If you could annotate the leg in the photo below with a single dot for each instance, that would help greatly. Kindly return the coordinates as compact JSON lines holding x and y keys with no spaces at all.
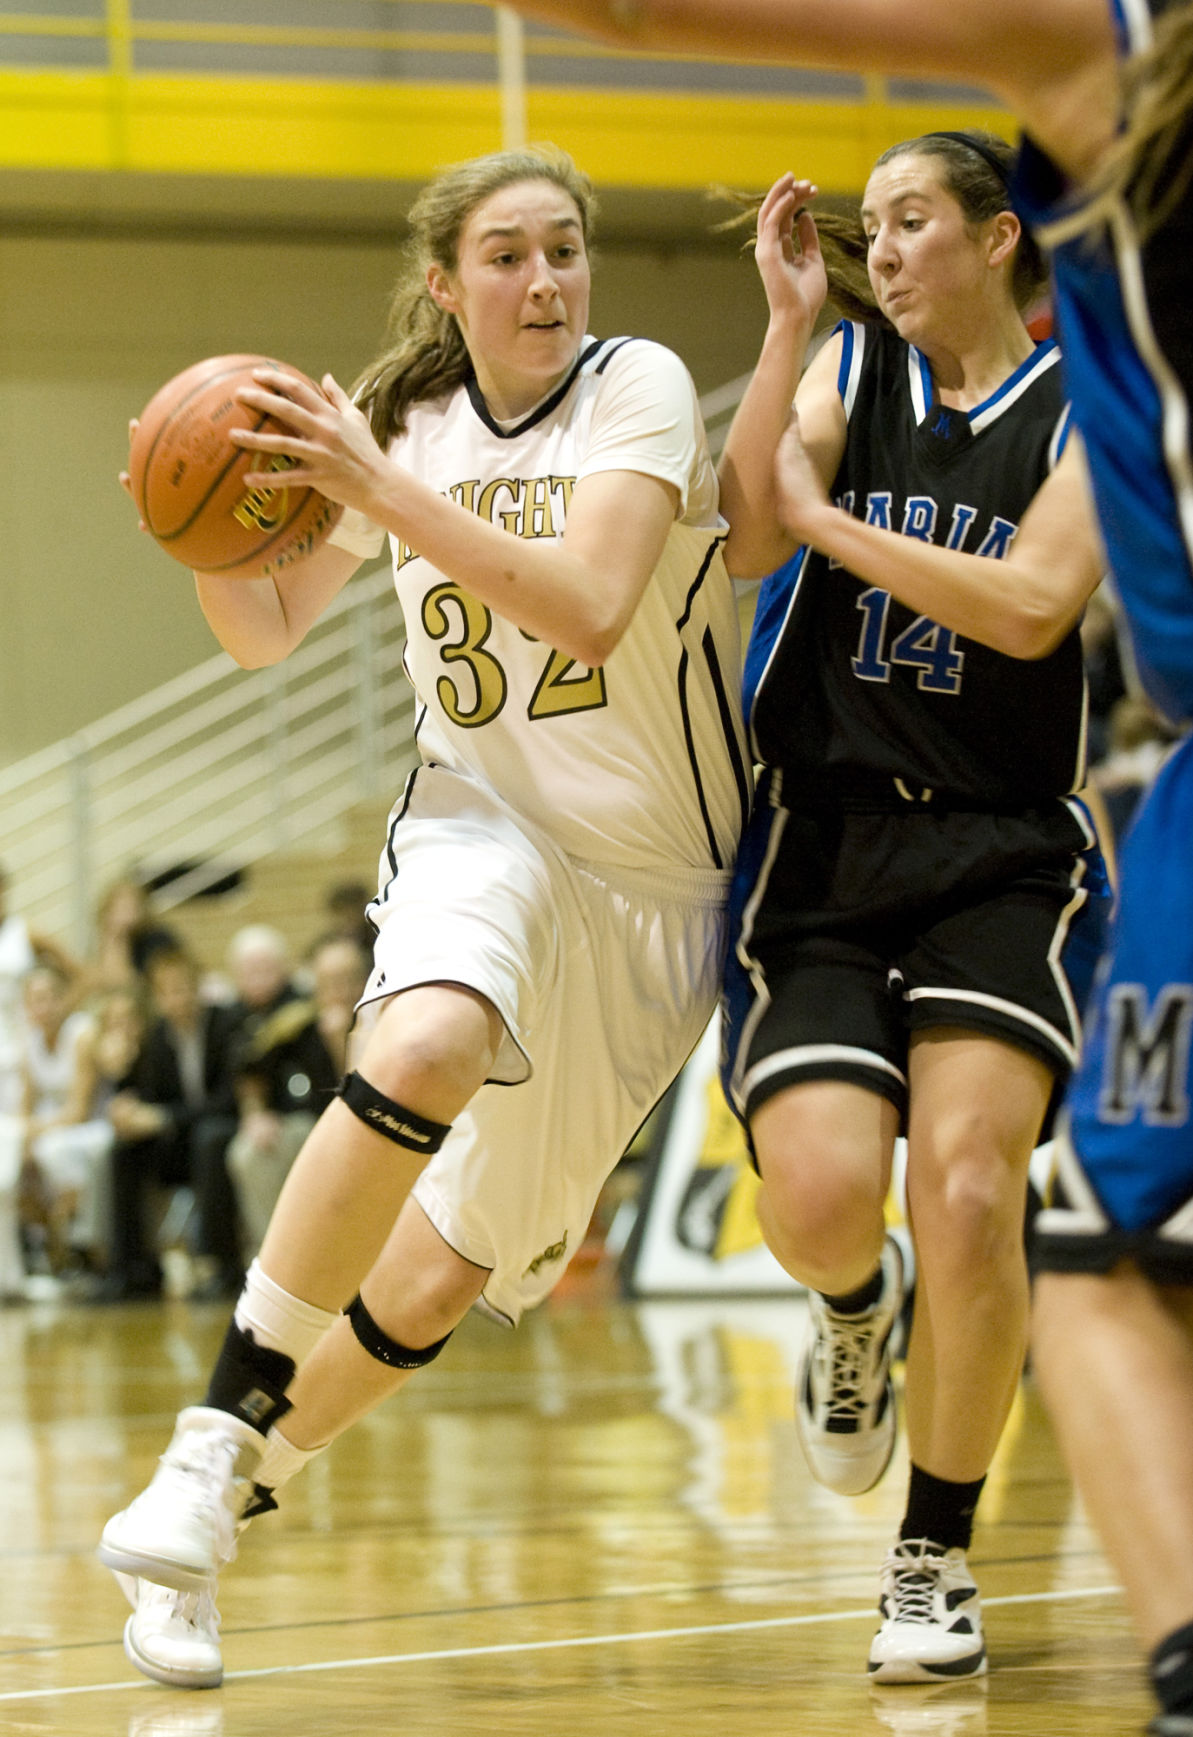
{"x":418,"y":1292}
{"x":1114,"y":1359}
{"x":219,"y":1220}
{"x":824,"y":1155}
{"x":430,"y":1050}
{"x":976,"y":1108}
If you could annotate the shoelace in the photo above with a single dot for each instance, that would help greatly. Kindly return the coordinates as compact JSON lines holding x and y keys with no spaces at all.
{"x":842,"y":1362}
{"x":196,"y":1609}
{"x":916,"y":1571}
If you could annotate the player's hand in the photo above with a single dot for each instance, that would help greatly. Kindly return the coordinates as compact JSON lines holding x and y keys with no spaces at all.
{"x":788,"y":250}
{"x":801,"y":497}
{"x":324,"y":433}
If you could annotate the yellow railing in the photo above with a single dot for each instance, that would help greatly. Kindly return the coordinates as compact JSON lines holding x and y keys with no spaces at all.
{"x":632,"y":122}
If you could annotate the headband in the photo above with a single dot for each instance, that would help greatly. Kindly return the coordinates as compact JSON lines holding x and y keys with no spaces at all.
{"x":1001,"y":169}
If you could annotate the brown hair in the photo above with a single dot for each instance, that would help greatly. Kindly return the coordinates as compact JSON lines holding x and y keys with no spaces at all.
{"x":1151,"y":165}
{"x":424,"y":355}
{"x":978,"y":186}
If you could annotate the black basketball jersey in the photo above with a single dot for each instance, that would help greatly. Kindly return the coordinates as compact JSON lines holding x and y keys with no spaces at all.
{"x":841,"y":678}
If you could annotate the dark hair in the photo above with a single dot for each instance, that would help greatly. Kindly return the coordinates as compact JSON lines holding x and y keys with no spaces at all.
{"x":970,"y":170}
{"x":975,"y":168}
{"x":425,"y":356}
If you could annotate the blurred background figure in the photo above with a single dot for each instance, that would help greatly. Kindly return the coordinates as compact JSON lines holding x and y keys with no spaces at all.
{"x":173,"y":1121}
{"x":20,"y":950}
{"x":286,"y":1077}
{"x":344,"y":908}
{"x":260,"y":970}
{"x":127,"y":935}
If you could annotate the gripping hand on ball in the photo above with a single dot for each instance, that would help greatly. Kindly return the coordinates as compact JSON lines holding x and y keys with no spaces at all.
{"x":327,"y":439}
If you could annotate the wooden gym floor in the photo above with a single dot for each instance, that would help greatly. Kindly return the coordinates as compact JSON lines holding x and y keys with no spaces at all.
{"x":598,"y":1524}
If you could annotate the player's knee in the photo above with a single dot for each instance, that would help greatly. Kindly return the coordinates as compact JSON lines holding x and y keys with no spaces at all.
{"x":433,"y":1046}
{"x":968,"y":1219}
{"x":819,"y":1217}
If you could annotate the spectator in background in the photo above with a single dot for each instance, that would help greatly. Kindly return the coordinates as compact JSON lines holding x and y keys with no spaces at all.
{"x":57,"y":1176}
{"x":287,"y":1076}
{"x":344,"y":906}
{"x":126,"y":938}
{"x":262,"y":975}
{"x":21,"y":948}
{"x":173,"y":1121}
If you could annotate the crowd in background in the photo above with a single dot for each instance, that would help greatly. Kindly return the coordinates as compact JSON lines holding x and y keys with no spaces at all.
{"x":152,"y":1102}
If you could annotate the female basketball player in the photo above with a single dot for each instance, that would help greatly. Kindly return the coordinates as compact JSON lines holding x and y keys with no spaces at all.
{"x":916,"y":861}
{"x":1114,"y":1302}
{"x":550,"y":912}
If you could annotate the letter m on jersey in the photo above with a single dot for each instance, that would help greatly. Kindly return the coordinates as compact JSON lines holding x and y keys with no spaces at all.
{"x":1147,"y":1055}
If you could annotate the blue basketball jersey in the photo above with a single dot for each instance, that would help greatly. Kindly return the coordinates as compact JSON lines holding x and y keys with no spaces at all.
{"x":1122,"y":307}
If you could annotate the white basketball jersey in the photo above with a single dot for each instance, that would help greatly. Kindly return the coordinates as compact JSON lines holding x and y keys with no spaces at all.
{"x":639,"y":764}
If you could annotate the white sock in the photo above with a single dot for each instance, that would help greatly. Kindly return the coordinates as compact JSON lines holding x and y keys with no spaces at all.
{"x":280,"y":1460}
{"x":277,"y":1320}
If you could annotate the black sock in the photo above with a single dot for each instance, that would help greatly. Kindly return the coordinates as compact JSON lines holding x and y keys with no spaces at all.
{"x":1170,"y":1670}
{"x":940,"y":1510}
{"x":250,"y":1380}
{"x":857,"y":1302}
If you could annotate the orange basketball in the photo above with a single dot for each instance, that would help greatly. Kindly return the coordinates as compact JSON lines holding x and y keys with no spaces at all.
{"x":187,"y":477}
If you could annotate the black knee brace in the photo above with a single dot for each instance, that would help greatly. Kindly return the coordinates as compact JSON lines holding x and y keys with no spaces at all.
{"x":404,"y":1127}
{"x":378,"y":1343}
{"x":250,"y":1380}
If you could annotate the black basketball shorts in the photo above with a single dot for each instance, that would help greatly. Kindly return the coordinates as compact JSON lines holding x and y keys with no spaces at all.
{"x":850,"y":931}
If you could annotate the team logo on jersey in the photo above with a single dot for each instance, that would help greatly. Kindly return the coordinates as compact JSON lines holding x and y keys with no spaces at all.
{"x":525,"y":506}
{"x":1147,"y":1055}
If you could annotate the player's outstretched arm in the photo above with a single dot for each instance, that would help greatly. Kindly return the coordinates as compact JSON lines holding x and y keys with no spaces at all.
{"x":1053,"y":64}
{"x":1023,"y":605}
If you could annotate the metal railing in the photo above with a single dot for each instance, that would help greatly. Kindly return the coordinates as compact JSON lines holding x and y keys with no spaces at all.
{"x":220,"y":767}
{"x":215,"y":769}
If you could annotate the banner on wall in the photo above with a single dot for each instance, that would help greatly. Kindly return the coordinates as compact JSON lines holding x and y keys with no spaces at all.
{"x":696,"y":1232}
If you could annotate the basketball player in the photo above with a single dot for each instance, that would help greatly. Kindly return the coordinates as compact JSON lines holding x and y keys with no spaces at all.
{"x":550,"y":913}
{"x":916,"y":863}
{"x":1114,"y":202}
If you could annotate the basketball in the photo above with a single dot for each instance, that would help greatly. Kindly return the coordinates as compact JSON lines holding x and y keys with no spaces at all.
{"x":187,"y":477}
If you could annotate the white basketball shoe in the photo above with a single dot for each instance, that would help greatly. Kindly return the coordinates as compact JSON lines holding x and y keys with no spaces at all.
{"x":181,"y":1530}
{"x":845,"y":1410}
{"x":172,"y":1636}
{"x":931,"y":1629}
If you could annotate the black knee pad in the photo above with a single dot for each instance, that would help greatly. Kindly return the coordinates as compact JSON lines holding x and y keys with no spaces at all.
{"x":404,"y":1127}
{"x":378,"y":1343}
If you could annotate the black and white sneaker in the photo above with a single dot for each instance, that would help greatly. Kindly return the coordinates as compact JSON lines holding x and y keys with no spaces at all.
{"x":931,"y":1628}
{"x":844,"y":1399}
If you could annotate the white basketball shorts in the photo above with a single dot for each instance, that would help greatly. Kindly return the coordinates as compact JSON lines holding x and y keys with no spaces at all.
{"x":604,"y":978}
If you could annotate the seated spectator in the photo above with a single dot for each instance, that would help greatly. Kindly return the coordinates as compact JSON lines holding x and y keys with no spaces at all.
{"x":261,"y":973}
{"x":21,"y":948}
{"x":59,"y":1174}
{"x":288,"y":1072}
{"x":126,"y":938}
{"x":173,"y":1121}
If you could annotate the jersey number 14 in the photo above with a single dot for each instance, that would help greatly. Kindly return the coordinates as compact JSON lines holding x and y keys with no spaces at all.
{"x":925,"y":646}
